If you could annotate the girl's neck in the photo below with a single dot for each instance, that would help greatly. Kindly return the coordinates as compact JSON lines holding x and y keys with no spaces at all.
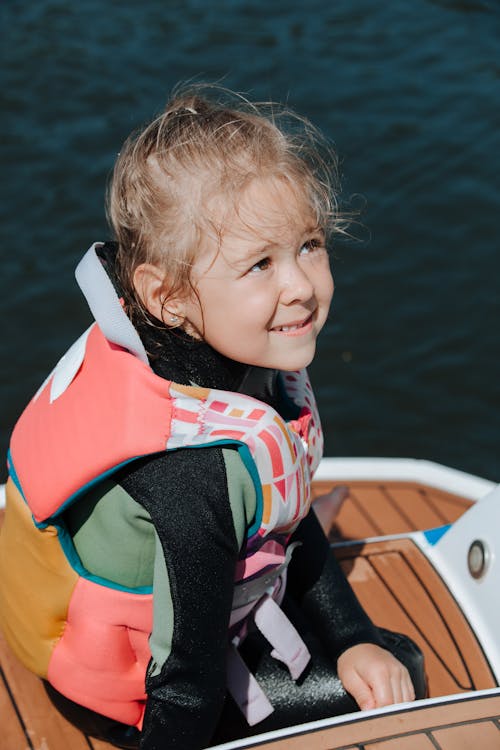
{"x":175,"y":355}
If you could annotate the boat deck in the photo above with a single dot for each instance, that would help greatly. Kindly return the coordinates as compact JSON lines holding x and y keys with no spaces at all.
{"x":380,"y":508}
{"x":399,"y":589}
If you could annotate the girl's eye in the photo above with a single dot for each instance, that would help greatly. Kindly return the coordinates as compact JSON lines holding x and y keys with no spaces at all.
{"x":310,"y":246}
{"x":262,"y":265}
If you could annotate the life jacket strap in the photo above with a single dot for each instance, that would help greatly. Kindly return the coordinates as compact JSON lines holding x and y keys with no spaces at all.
{"x":245,"y":690}
{"x":277,"y":629}
{"x":260,"y":601}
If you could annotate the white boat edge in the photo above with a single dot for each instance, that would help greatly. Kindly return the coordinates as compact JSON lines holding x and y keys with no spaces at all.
{"x":433,"y":474}
{"x":298,"y":729}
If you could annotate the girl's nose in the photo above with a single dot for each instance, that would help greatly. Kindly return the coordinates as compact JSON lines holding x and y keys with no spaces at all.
{"x":296,"y":285}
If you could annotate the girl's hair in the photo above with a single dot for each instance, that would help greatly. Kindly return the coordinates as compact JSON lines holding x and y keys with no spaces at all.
{"x":208,"y":142}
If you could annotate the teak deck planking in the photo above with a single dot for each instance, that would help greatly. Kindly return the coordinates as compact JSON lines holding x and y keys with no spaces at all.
{"x":399,"y":589}
{"x":380,"y":508}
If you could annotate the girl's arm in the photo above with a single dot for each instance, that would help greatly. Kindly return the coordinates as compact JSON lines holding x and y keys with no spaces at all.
{"x":317,"y":583}
{"x":368,"y":671}
{"x":185,"y":492}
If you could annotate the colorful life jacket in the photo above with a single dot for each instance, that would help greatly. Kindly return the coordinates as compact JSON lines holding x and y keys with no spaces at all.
{"x":101,"y":408}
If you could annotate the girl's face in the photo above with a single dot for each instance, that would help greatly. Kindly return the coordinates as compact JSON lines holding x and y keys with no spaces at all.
{"x":263,"y":285}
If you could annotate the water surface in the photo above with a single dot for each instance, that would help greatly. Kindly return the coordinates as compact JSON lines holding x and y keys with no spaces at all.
{"x":409,"y":363}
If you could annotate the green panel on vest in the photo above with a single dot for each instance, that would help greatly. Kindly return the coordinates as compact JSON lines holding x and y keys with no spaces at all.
{"x":113,"y":535}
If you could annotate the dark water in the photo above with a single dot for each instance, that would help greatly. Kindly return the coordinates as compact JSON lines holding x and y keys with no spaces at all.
{"x":409,"y":91}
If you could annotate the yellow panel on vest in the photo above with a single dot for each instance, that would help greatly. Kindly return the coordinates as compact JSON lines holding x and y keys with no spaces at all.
{"x":36,"y":583}
{"x":267,"y":503}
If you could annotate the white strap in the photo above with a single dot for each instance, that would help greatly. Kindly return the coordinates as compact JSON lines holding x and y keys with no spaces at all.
{"x":287,"y":644}
{"x":245,"y":690}
{"x":105,"y":305}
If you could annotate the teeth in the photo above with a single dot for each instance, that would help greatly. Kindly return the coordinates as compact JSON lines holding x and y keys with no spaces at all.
{"x":286,"y":329}
{"x":294,"y":327}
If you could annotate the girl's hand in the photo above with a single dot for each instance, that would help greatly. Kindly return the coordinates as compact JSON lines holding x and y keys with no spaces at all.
{"x":374,"y":677}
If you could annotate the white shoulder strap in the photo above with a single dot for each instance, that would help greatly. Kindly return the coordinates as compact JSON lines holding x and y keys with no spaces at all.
{"x":105,"y":305}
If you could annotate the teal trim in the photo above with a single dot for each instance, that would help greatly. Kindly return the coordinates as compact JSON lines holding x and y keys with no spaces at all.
{"x":86,"y":487}
{"x":67,"y":543}
{"x":251,"y":467}
{"x":40,"y":524}
{"x":13,"y":473}
{"x":70,"y":500}
{"x":434,"y":535}
{"x":72,"y":557}
{"x":65,"y":538}
{"x":17,"y":484}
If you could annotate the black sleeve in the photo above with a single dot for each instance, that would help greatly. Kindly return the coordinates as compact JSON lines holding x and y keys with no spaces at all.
{"x":186,"y":495}
{"x":318,"y":584}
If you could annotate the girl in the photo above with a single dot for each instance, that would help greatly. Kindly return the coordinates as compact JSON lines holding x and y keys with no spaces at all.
{"x":174,"y":579}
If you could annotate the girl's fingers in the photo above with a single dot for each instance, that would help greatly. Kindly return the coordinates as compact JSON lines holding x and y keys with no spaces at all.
{"x":393,"y":687}
{"x":397,"y":685}
{"x":408,"y":689}
{"x":374,"y":677}
{"x":401,"y":687}
{"x":360,"y":691}
{"x":383,"y":689}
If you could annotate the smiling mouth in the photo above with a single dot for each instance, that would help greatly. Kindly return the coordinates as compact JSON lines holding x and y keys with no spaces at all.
{"x":291,"y":328}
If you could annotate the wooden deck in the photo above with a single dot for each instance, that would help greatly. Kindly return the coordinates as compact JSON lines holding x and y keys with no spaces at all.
{"x":399,"y":589}
{"x":377,"y":508}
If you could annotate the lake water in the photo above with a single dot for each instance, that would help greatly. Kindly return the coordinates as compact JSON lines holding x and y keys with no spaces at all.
{"x":409,"y":364}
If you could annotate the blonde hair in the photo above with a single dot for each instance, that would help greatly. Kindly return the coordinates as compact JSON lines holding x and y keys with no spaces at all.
{"x":207,"y":142}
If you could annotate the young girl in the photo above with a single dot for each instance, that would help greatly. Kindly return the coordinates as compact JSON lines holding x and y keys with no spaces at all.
{"x":161,"y":568}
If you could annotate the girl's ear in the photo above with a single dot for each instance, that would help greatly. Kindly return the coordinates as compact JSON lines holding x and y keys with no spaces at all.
{"x":149,"y":283}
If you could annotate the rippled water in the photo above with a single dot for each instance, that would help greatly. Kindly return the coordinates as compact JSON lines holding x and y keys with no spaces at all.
{"x":409,"y":364}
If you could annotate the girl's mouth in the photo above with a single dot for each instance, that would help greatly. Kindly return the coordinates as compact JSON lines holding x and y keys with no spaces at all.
{"x":296,"y":328}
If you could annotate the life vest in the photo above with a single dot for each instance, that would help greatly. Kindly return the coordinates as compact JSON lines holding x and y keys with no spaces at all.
{"x":100,"y":408}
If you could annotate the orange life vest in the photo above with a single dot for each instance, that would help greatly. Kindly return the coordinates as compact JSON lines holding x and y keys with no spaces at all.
{"x":101,"y":408}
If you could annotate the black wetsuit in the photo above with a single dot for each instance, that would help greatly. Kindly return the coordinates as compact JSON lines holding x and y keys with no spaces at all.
{"x":185,"y":493}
